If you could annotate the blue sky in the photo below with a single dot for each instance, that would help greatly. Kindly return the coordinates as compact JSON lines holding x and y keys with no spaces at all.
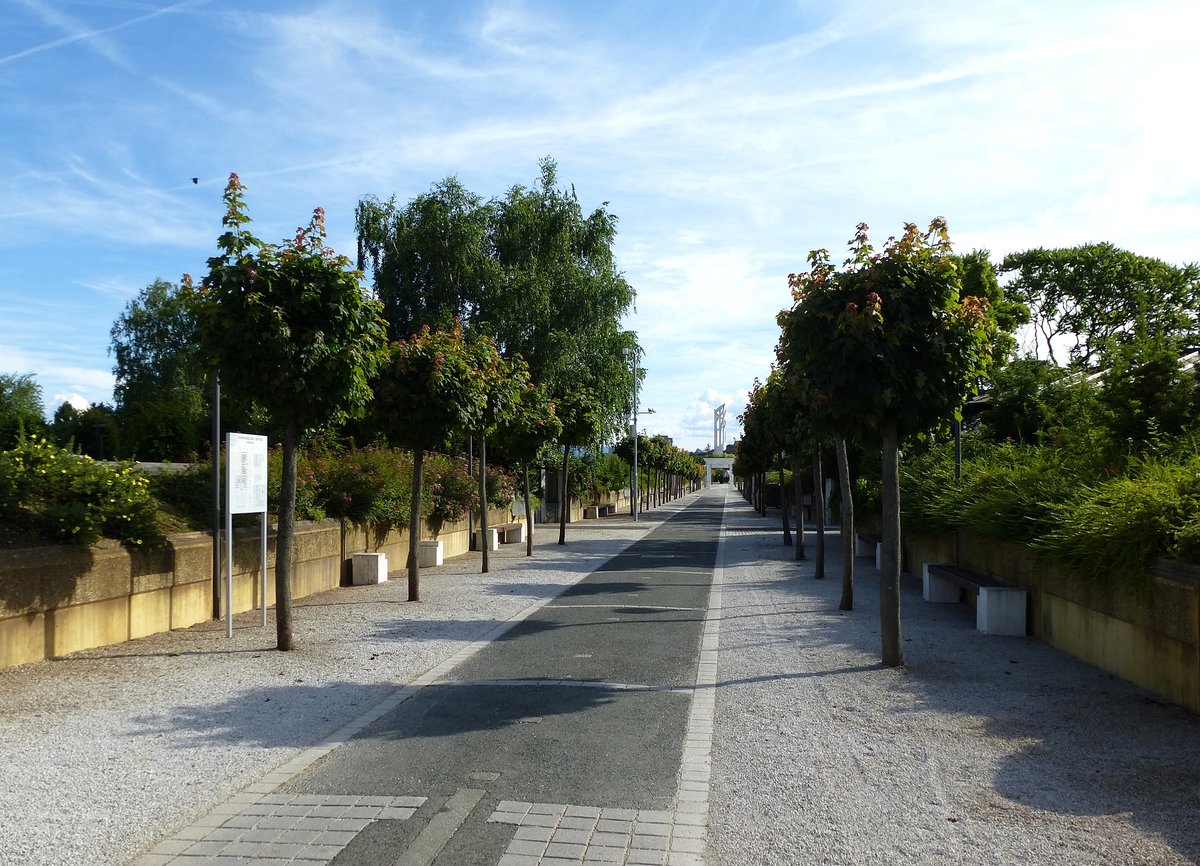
{"x":730,"y":138}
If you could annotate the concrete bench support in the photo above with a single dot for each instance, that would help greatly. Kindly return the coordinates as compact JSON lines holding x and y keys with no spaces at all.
{"x":369,"y":568}
{"x":869,"y":545}
{"x":591,"y":512}
{"x":492,"y":541}
{"x":1001,"y":610}
{"x":430,"y":554}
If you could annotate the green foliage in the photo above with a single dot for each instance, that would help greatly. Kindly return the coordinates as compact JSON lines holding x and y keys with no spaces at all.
{"x":605,"y":473}
{"x":891,"y":338}
{"x":1096,"y":296}
{"x":451,"y":491}
{"x":95,"y":431}
{"x":292,"y":320}
{"x":1063,"y":503}
{"x":21,"y":410}
{"x":429,"y":259}
{"x":430,"y":390}
{"x":1146,"y":395}
{"x":1117,"y":527}
{"x":369,"y":486}
{"x":63,"y":498}
{"x":160,"y":394}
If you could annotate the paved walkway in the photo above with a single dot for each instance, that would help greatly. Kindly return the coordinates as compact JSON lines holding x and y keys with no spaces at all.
{"x":578,"y":732}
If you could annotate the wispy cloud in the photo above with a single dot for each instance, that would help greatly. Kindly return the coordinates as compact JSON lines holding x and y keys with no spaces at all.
{"x":79,"y":31}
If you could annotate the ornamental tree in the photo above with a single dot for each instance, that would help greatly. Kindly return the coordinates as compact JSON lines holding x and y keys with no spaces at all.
{"x":884,"y":348}
{"x":430,"y":391}
{"x":293,"y":331}
{"x":530,"y":425}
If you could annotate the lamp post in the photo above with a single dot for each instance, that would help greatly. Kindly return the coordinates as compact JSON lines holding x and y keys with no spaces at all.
{"x":636,"y":491}
{"x":632,"y":355}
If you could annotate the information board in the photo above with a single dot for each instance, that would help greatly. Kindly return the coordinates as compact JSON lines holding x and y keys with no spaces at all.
{"x":247,"y":478}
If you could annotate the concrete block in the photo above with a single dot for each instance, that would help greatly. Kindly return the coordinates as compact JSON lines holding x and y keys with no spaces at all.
{"x":1001,"y":610}
{"x":369,"y":568}
{"x":591,"y":512}
{"x":936,"y":589}
{"x":493,"y":539}
{"x":430,"y":554}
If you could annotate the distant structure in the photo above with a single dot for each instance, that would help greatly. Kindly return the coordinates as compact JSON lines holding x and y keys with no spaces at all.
{"x":719,"y":429}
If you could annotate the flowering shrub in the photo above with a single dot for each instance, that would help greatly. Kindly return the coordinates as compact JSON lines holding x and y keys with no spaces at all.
{"x":449,"y":489}
{"x":62,"y":497}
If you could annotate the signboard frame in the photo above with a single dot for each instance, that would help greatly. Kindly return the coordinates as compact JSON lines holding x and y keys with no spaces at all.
{"x":245,"y":493}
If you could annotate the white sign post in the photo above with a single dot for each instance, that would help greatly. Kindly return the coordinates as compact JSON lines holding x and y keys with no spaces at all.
{"x":245,"y":493}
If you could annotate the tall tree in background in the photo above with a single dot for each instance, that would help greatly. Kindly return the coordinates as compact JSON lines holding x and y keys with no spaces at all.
{"x":21,"y":409}
{"x":428,"y":260}
{"x":161,"y":400}
{"x":887,"y":347}
{"x":557,"y":297}
{"x":293,"y":330}
{"x":1089,"y":298}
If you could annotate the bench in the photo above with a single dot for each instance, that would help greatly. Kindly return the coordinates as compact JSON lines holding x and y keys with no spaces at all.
{"x":999,"y":607}
{"x":608,"y":510}
{"x":869,"y":545}
{"x":591,"y":512}
{"x":511,"y":533}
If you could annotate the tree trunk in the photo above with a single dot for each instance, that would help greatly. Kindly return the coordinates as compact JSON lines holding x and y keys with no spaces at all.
{"x":798,"y":485}
{"x":819,"y":512}
{"x":414,"y":528}
{"x":528,"y":511}
{"x":783,"y":504}
{"x":847,"y":499}
{"x":285,"y":544}
{"x":889,"y":574}
{"x":483,"y":503}
{"x":563,"y":505}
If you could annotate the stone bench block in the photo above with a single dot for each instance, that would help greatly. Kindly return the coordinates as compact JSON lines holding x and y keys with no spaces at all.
{"x":369,"y":568}
{"x":1001,"y":610}
{"x":492,"y":541}
{"x":430,"y":554}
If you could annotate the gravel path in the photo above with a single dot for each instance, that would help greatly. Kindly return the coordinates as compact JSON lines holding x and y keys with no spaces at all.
{"x":983,"y":750}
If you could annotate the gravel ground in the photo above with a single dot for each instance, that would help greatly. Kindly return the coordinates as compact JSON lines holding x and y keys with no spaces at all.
{"x":107,"y":751}
{"x":982,"y":750}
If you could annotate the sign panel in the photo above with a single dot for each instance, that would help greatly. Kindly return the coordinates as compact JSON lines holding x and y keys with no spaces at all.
{"x":247,"y":474}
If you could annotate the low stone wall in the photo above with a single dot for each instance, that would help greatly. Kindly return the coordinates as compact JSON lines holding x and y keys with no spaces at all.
{"x":58,"y":600}
{"x":1148,"y":635}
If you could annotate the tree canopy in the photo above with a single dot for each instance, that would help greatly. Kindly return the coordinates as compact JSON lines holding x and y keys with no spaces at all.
{"x":1084,"y":300}
{"x":294,"y":332}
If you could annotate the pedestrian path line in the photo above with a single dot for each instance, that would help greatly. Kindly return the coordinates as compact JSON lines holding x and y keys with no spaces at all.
{"x":611,"y":605}
{"x":581,"y":684}
{"x":690,"y":818}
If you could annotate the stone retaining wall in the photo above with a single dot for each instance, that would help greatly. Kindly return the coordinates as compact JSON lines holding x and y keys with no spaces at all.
{"x":58,"y":600}
{"x":1149,"y":635}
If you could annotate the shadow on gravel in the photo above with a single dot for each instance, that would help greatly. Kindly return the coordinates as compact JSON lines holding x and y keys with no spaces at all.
{"x":295,"y":715}
{"x":1084,"y":742}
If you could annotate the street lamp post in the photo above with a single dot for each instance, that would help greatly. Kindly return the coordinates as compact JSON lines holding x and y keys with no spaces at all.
{"x":632,"y":355}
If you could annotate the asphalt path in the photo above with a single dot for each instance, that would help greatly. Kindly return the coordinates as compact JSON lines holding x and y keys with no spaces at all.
{"x":584,"y":703}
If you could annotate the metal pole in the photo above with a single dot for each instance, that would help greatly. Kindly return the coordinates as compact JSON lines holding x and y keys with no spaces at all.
{"x":958,"y":451}
{"x":215,"y":454}
{"x":635,"y":436}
